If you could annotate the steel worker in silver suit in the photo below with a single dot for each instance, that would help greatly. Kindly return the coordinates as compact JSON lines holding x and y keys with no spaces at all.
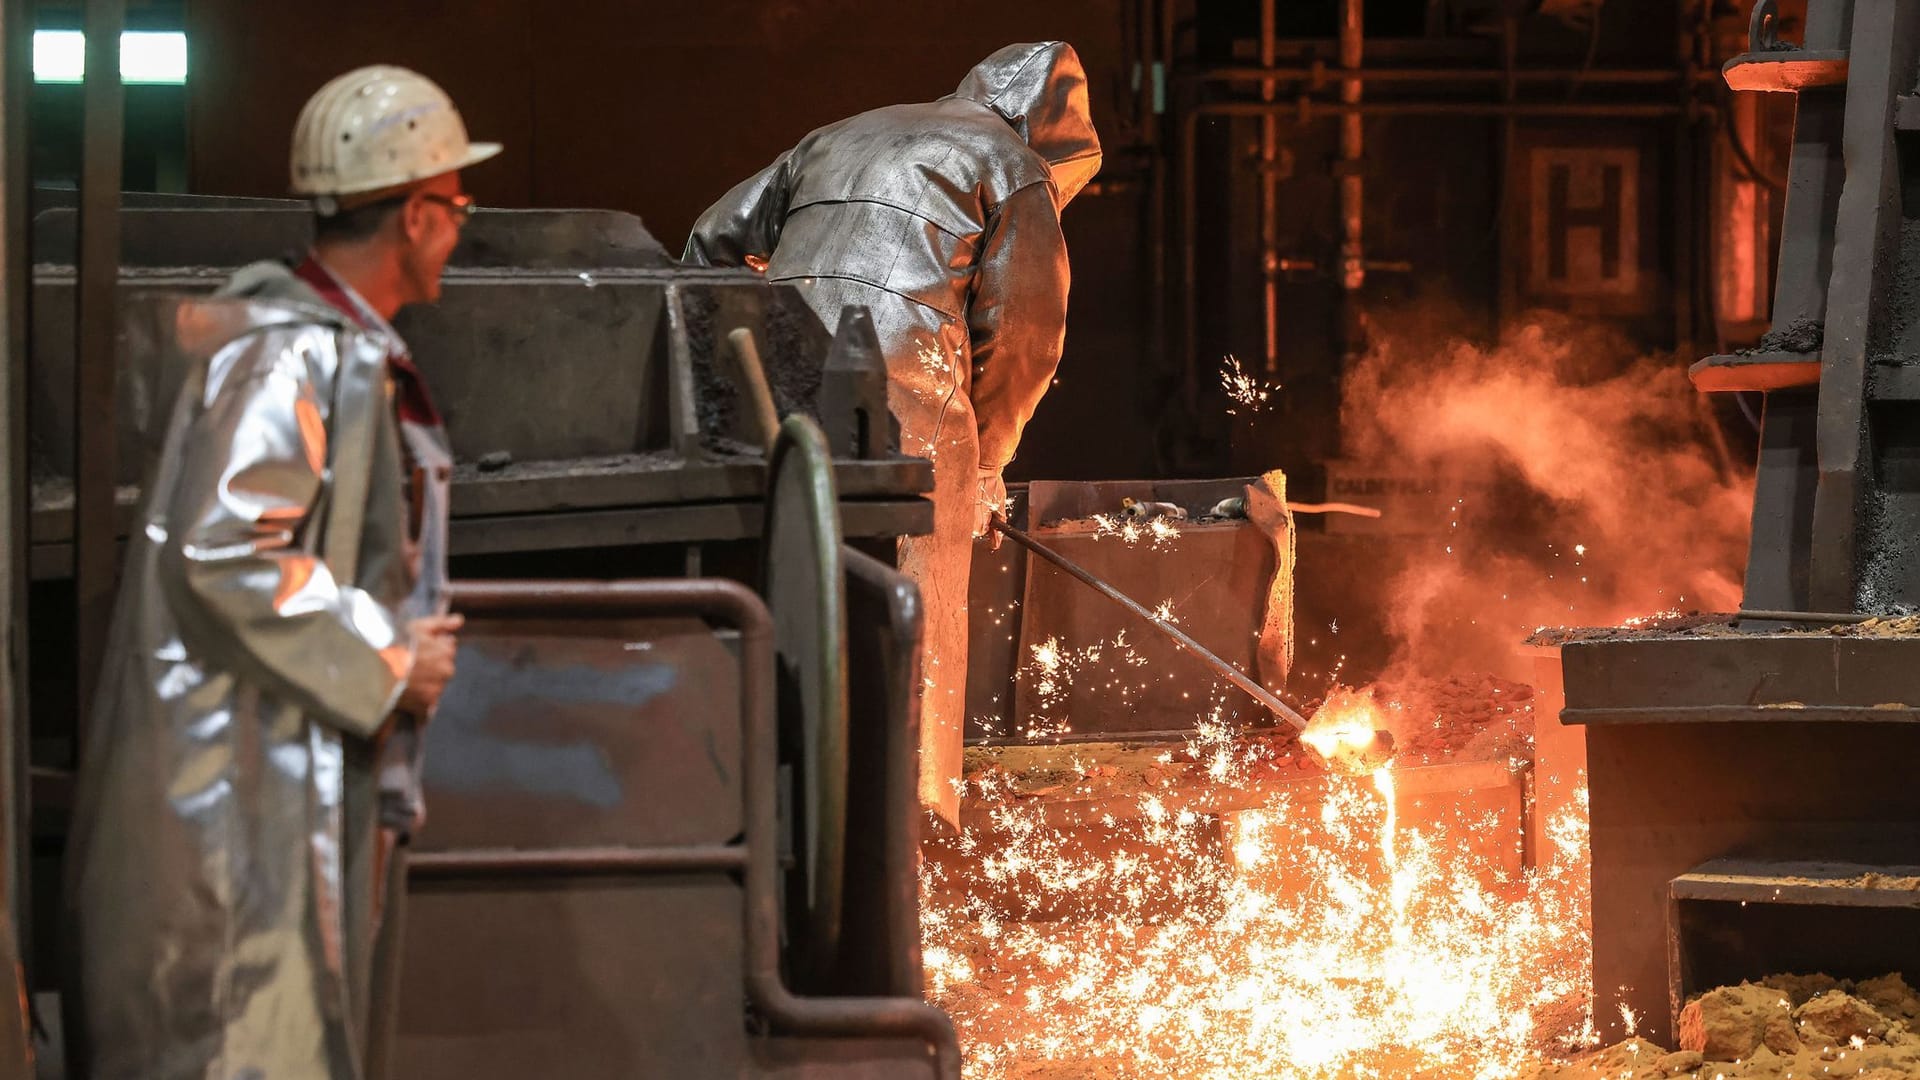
{"x":943,"y":219}
{"x":282,"y":632}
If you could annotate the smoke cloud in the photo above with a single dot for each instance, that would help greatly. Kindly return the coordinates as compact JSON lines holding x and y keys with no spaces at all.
{"x":1581,"y":485}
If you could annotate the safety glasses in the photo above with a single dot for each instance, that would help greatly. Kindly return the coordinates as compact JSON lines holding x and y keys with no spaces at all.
{"x":462,"y":206}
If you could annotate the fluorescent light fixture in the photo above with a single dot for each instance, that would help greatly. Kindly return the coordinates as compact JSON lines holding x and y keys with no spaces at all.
{"x":146,"y":57}
{"x":59,"y":56}
{"x":154,"y":57}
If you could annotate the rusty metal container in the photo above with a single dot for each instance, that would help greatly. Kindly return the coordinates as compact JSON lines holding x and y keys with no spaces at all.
{"x":1719,"y":768}
{"x":1227,"y":582}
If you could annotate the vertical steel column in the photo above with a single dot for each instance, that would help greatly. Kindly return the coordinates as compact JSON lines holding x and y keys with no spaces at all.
{"x":1156,"y":31}
{"x":16,"y":1043}
{"x":96,"y":456}
{"x":1189,"y":258}
{"x":1867,"y":227}
{"x":1269,"y":198}
{"x":1687,"y":197}
{"x":1353,"y":265}
{"x":1506,"y":213}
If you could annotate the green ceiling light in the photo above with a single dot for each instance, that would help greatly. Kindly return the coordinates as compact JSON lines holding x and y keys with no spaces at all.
{"x":147,"y":58}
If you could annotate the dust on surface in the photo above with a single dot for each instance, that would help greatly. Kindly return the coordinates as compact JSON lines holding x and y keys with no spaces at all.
{"x":1781,"y":1027}
{"x":1695,"y":624}
{"x":1802,"y":335}
{"x":1664,"y":625}
{"x":1879,"y":626}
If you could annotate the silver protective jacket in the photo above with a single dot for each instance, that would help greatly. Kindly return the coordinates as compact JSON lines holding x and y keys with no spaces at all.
{"x":224,"y":838}
{"x":943,"y":219}
{"x":952,"y":206}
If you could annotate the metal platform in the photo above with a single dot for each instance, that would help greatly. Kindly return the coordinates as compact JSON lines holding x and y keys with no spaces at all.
{"x":1715,"y":765}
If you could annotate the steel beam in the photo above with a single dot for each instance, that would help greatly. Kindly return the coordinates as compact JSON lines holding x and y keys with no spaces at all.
{"x":95,"y":432}
{"x":16,"y":1046}
{"x":1886,"y":39}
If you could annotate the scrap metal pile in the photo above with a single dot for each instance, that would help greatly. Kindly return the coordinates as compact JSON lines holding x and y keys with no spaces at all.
{"x":1778,"y":1028}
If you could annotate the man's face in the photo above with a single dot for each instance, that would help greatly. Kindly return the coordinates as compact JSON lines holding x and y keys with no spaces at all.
{"x":430,"y":222}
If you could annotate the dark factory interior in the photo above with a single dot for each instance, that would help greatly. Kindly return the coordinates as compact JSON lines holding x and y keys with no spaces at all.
{"x":493,"y":584}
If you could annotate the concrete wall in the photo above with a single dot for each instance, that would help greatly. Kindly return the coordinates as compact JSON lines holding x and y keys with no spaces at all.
{"x":649,"y":107}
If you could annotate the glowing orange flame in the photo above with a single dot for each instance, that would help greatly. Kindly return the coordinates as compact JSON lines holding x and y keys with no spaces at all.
{"x":1343,"y":727}
{"x":1330,"y":934}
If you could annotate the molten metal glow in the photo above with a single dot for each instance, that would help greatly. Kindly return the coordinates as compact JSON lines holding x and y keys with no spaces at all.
{"x":1343,"y":727}
{"x":1313,"y":939}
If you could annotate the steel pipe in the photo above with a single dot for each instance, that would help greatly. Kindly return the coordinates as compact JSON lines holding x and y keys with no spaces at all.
{"x":95,"y":429}
{"x":96,"y":459}
{"x":1269,"y":201}
{"x":1319,"y":74}
{"x":1353,"y":269}
{"x":1307,"y":110}
{"x":505,"y":862}
{"x":16,"y":500}
{"x":16,"y":929}
{"x":769,"y":993}
{"x":1832,"y":618}
{"x":1189,"y":383}
{"x":1506,"y":209}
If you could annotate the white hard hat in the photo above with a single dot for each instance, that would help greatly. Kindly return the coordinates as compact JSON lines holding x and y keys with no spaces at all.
{"x":378,"y":128}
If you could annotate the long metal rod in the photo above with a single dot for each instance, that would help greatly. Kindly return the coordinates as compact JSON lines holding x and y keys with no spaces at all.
{"x":96,"y":463}
{"x":1836,"y":618}
{"x":95,"y":430}
{"x":1269,"y":201}
{"x":1077,"y":738}
{"x":1353,"y":266}
{"x":1507,"y":208}
{"x":1320,"y":73}
{"x":16,"y":1042}
{"x":1246,"y":683}
{"x":513,"y":862}
{"x":1686,"y":197}
{"x":1310,"y":109}
{"x":16,"y":503}
{"x":1158,"y":72}
{"x":1190,"y":258}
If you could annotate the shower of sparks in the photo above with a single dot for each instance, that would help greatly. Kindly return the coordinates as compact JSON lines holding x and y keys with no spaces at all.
{"x":1314,"y":938}
{"x":934,"y":359}
{"x":1052,"y":670}
{"x":1159,"y":532}
{"x":1243,"y":389}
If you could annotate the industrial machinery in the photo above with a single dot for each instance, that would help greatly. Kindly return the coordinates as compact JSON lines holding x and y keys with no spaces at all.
{"x":1753,"y":808}
{"x":673,"y":822}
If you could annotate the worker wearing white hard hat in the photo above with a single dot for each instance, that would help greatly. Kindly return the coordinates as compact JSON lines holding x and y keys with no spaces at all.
{"x":282,"y":631}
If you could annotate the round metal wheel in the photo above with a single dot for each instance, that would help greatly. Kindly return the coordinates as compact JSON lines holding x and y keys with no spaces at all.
{"x":806,"y":591}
